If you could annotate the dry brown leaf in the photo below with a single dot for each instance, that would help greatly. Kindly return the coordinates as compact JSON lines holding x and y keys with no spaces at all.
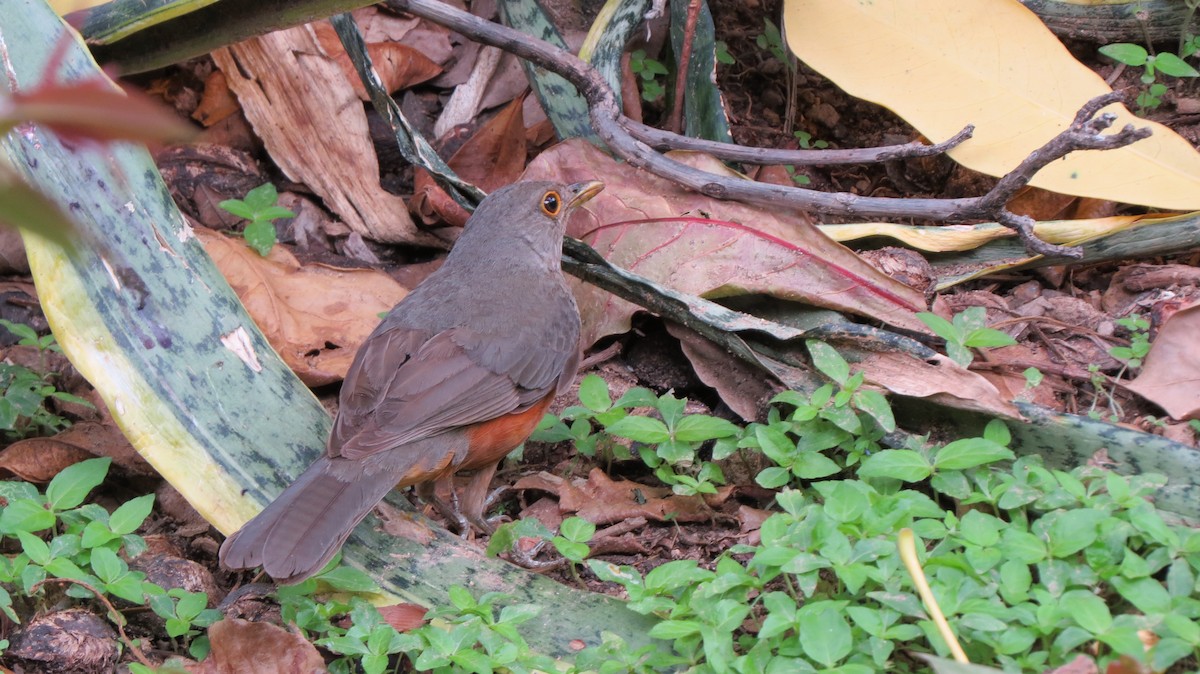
{"x":742,"y":386}
{"x":941,"y":381}
{"x":240,"y":646}
{"x":404,"y":617}
{"x":317,"y":135}
{"x":425,"y":36}
{"x":1170,"y":376}
{"x":399,"y":66}
{"x":1041,"y":204}
{"x":1082,"y":664}
{"x":40,"y":459}
{"x":490,"y":159}
{"x":401,"y":524}
{"x":377,"y":26}
{"x":601,"y":500}
{"x":217,"y":103}
{"x":751,"y":519}
{"x":711,"y":248}
{"x":314,"y":316}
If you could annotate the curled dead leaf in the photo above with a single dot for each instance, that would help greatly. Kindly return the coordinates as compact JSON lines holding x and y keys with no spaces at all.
{"x":1170,"y":376}
{"x":317,"y":135}
{"x":399,"y":66}
{"x":242,"y":646}
{"x":40,"y":459}
{"x":939,"y":380}
{"x":602,"y":500}
{"x":490,"y":159}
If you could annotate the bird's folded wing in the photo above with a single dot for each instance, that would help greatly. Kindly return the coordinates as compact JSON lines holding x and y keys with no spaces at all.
{"x":443,"y":385}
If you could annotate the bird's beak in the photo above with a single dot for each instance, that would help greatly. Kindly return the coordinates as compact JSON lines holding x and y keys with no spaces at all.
{"x":581,"y":192}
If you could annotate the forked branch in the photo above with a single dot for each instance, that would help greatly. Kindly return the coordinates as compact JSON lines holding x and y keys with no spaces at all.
{"x":615,"y":129}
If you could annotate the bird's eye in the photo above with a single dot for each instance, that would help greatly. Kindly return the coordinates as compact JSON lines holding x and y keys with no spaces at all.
{"x":551,"y":203}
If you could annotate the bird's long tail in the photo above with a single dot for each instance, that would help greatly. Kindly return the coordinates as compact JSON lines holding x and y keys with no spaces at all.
{"x":301,"y":530}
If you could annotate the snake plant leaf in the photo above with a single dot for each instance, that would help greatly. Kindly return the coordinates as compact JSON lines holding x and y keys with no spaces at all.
{"x":968,"y":252}
{"x":139,"y":35}
{"x":564,"y":105}
{"x":112,"y":21}
{"x":605,"y":41}
{"x":145,"y":316}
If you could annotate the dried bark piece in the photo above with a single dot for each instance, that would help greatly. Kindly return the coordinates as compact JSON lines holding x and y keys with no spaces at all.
{"x":312,"y":123}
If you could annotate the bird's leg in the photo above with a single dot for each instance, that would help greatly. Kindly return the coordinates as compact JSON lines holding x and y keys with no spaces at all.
{"x":427,"y":491}
{"x":476,"y":499}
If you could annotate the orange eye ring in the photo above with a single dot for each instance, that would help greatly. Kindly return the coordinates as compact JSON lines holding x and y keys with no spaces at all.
{"x":551,"y":203}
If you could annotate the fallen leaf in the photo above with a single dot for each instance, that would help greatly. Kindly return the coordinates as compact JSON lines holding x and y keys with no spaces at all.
{"x":40,"y":459}
{"x":402,"y":524}
{"x":947,"y":238}
{"x":742,"y":386}
{"x":940,"y":380}
{"x":943,"y":64}
{"x":711,"y":248}
{"x":1170,"y":376}
{"x":69,"y":640}
{"x":239,"y":646}
{"x":490,"y":159}
{"x":602,"y":500}
{"x":1042,"y":204}
{"x":377,"y":26}
{"x":315,"y":316}
{"x":399,"y":66}
{"x":218,"y":101}
{"x":404,"y":617}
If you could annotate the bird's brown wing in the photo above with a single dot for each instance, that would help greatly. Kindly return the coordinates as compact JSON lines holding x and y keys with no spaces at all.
{"x":448,"y":381}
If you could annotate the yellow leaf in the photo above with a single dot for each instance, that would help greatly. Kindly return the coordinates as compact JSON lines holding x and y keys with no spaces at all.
{"x":946,"y":238}
{"x":943,"y":64}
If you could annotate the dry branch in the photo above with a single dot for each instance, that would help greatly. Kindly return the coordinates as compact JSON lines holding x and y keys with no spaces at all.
{"x":610,"y":125}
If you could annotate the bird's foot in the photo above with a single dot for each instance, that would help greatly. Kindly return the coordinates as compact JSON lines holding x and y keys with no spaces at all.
{"x":527,"y":559}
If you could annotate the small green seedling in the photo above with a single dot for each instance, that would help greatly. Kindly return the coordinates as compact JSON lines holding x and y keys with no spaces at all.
{"x":1139,"y":342}
{"x":24,"y":392}
{"x":650,"y":71}
{"x":721,"y":52}
{"x":806,"y":141}
{"x":772,"y":41}
{"x":260,"y":209}
{"x":965,"y":331}
{"x":798,"y":178}
{"x":1165,"y":63}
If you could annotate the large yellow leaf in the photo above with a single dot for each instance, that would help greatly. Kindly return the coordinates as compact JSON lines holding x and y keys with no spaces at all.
{"x":943,"y":64}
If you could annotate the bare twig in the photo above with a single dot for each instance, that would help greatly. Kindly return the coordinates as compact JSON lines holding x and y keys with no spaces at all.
{"x":607,"y":121}
{"x":665,"y":140}
{"x":1083,"y":134}
{"x":683,"y":62}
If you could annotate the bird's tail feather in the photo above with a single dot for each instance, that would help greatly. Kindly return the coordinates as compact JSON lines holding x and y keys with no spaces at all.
{"x":301,"y":530}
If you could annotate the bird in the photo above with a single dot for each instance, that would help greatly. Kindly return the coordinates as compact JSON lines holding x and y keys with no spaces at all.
{"x":457,"y":375}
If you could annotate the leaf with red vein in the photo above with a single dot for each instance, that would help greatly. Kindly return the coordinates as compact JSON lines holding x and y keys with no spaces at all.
{"x":649,"y":226}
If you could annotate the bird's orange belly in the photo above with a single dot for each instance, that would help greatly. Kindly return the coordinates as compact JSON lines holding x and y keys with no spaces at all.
{"x":491,"y":440}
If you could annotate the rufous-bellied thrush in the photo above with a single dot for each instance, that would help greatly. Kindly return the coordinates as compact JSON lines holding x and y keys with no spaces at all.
{"x":456,"y":376}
